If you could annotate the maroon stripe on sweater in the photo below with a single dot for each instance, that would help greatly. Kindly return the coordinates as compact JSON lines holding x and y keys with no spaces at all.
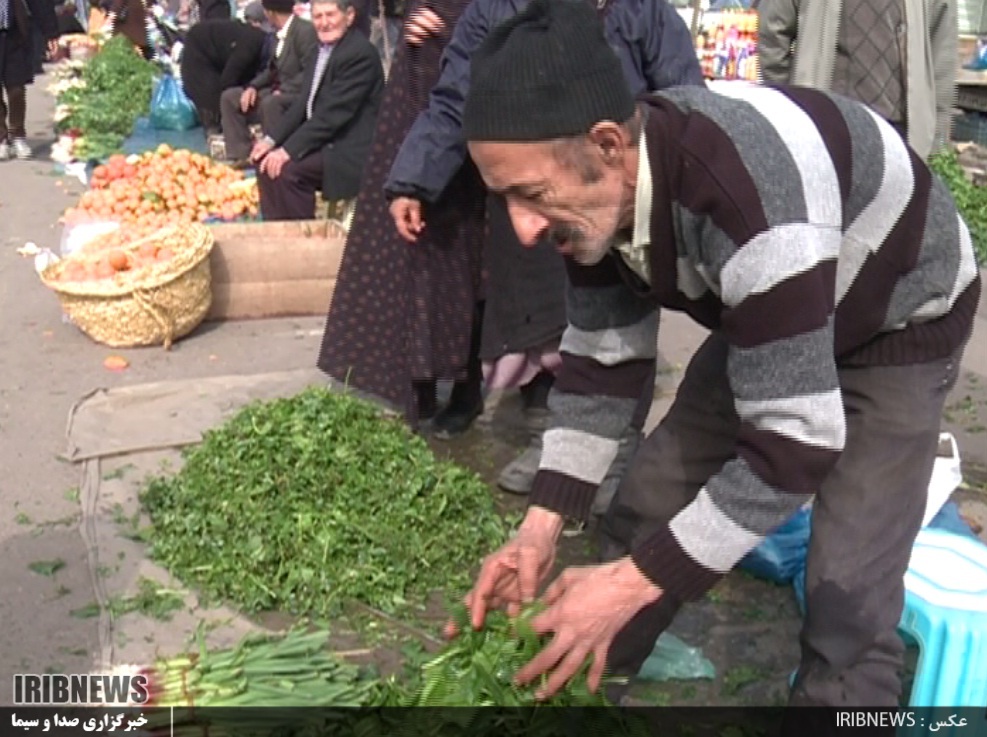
{"x":832,"y":127}
{"x":798,"y":305}
{"x":663,"y":561}
{"x":586,"y":377}
{"x":714,"y":182}
{"x":784,"y":463}
{"x":857,"y":319}
{"x":562,"y":494}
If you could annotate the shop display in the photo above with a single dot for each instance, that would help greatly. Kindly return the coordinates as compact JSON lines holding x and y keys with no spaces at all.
{"x":726,"y":45}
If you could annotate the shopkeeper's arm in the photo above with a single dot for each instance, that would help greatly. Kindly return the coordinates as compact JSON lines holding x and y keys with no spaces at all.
{"x":777,"y":29}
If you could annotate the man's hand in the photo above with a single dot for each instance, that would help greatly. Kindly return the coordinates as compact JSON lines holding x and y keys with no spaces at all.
{"x":52,"y":47}
{"x":407,"y":214}
{"x":261,"y":149}
{"x":274,"y":162}
{"x":588,"y":606}
{"x":510,"y":577}
{"x":421,"y":25}
{"x":248,"y":98}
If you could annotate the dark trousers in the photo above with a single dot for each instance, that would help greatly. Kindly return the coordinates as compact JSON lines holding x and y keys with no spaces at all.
{"x":236,"y":124}
{"x":13,"y":112}
{"x":292,"y":195}
{"x":864,"y":522}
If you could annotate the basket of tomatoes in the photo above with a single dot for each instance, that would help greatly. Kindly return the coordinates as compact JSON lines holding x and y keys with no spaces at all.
{"x":127,"y":291}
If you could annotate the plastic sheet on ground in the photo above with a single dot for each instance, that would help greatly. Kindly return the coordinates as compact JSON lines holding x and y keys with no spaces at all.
{"x":121,"y":436}
{"x":146,"y":138}
{"x":674,"y":660}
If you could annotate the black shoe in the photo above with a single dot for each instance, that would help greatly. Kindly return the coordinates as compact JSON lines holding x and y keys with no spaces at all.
{"x":455,"y":419}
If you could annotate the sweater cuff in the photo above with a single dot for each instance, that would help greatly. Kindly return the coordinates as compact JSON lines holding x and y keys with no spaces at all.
{"x":563,"y":495}
{"x":663,"y":562}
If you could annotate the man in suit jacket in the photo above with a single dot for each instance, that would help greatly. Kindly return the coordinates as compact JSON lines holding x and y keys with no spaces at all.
{"x":268,"y":95}
{"x":17,"y":18}
{"x":219,"y":54}
{"x":325,"y":137}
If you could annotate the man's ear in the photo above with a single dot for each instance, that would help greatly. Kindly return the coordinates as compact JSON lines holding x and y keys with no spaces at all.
{"x":610,"y":139}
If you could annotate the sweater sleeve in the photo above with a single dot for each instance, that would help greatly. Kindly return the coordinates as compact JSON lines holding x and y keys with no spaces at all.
{"x":777,"y":289}
{"x":608,"y":354}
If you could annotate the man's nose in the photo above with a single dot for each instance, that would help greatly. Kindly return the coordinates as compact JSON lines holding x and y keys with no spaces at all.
{"x":528,"y":224}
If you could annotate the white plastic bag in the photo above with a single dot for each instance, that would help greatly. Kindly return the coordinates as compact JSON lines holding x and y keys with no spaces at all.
{"x":946,"y":478}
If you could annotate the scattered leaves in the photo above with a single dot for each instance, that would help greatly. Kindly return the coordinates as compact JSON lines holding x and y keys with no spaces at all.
{"x":47,"y":567}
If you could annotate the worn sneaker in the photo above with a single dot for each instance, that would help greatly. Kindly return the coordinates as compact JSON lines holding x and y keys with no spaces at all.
{"x":20,"y":149}
{"x":4,"y":151}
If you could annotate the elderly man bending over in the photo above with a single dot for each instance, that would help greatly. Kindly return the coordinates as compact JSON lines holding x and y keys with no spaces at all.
{"x":325,"y":136}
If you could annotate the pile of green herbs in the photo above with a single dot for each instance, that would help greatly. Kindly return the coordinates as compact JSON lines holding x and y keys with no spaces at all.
{"x":306,"y":504}
{"x":116,"y":91}
{"x":475,"y":670}
{"x":971,"y":198}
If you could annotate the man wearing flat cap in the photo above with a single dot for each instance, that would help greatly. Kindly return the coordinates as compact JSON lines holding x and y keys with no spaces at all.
{"x":838,"y":283}
{"x":268,"y":95}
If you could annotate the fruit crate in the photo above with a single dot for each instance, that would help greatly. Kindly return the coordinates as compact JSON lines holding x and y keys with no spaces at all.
{"x":971,"y":127}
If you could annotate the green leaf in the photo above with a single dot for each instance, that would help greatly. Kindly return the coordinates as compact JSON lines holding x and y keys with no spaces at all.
{"x":47,"y":567}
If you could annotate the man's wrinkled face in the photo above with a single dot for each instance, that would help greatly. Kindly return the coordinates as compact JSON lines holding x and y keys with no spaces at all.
{"x":566,"y":191}
{"x":330,"y":22}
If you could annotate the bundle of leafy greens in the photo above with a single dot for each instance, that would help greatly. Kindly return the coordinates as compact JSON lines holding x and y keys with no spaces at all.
{"x":476,"y":669}
{"x":308,"y":503}
{"x":117,"y":88}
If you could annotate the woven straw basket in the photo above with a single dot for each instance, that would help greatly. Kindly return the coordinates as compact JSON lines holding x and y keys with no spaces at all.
{"x":152,"y":305}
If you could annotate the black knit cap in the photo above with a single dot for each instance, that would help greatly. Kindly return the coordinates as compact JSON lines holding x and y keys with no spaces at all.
{"x":546,"y":73}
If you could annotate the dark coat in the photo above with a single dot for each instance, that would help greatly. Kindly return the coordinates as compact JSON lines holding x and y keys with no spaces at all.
{"x":650,"y":38}
{"x":286,"y":73}
{"x":230,"y":48}
{"x":525,"y":291}
{"x":344,"y":115}
{"x":17,"y":44}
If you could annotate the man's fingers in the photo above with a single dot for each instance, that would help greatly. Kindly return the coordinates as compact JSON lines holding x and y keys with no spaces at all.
{"x":557,"y":588}
{"x":569,"y":667}
{"x":528,"y":573}
{"x":543,"y":661}
{"x":487,"y":583}
{"x":596,"y":669}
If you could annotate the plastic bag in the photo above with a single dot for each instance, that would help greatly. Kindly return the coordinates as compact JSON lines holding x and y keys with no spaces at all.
{"x":674,"y":660}
{"x":171,"y":110}
{"x":781,"y":556}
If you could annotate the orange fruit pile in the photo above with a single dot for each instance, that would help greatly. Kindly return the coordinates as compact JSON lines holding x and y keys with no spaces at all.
{"x":164,"y":187}
{"x":105,"y":257}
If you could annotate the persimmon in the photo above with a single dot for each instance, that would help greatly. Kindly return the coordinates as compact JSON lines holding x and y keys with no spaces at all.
{"x":119,"y":260}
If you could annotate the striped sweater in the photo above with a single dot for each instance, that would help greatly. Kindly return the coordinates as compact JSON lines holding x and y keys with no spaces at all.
{"x":799,"y":225}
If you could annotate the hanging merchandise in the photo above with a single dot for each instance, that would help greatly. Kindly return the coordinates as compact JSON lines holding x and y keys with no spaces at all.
{"x":726,"y":45}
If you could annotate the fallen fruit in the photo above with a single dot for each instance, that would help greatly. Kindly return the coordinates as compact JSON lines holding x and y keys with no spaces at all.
{"x":116,"y":363}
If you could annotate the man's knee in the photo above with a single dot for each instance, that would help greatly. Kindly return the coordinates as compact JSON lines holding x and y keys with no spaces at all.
{"x":229,"y":100}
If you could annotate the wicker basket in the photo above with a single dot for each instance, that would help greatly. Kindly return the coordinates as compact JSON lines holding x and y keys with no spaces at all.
{"x":153,"y":305}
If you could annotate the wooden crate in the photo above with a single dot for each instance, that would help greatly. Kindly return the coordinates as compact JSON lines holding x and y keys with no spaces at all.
{"x":276,"y":269}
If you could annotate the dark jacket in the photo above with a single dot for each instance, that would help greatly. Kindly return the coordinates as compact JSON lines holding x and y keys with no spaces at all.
{"x":230,"y":47}
{"x":286,"y":73}
{"x":344,"y":115}
{"x":655,"y":49}
{"x":24,"y":14}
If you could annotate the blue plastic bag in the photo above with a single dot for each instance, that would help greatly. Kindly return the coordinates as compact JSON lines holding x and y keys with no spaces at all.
{"x":781,"y":555}
{"x":171,"y":110}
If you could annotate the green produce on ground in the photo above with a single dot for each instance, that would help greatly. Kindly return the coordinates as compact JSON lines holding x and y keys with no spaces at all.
{"x":117,"y":86}
{"x":971,"y":199}
{"x":308,"y":503}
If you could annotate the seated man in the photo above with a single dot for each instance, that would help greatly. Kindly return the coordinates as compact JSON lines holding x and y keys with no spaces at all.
{"x":219,"y":54}
{"x":268,"y":95}
{"x":325,"y":136}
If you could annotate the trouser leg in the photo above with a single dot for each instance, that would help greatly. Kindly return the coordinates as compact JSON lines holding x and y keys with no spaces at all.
{"x":272,"y":109}
{"x":17,"y":111}
{"x":4,"y":130}
{"x":864,"y":522}
{"x":292,"y":195}
{"x":235,"y":124}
